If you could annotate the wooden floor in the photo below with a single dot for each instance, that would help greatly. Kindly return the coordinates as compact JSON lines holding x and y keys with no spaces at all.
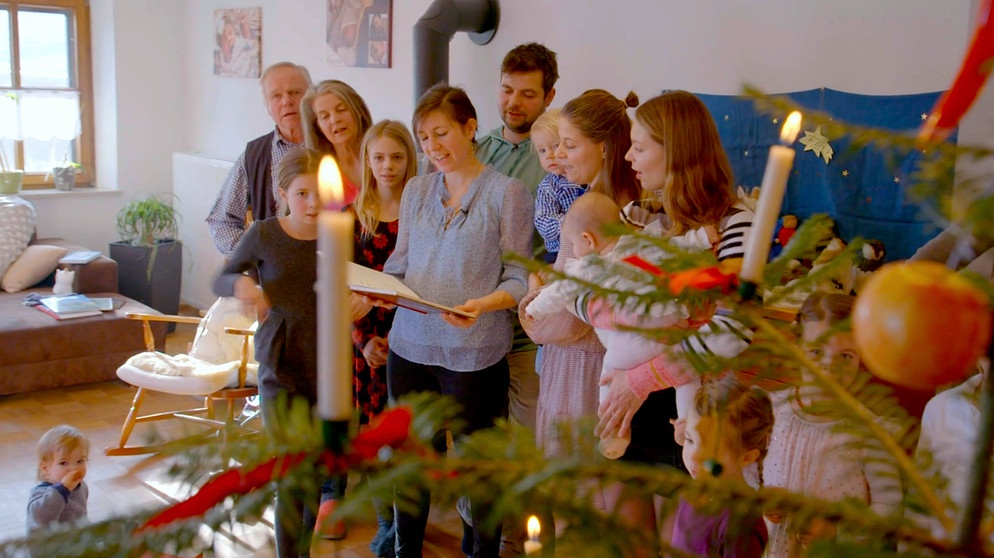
{"x":118,"y":485}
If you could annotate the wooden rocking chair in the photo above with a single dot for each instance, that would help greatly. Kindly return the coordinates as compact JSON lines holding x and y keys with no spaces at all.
{"x":213,"y":382}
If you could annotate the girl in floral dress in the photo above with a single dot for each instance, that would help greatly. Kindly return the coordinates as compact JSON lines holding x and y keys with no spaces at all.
{"x":389,"y":160}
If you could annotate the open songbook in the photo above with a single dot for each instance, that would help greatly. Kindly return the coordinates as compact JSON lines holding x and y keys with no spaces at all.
{"x":376,"y":284}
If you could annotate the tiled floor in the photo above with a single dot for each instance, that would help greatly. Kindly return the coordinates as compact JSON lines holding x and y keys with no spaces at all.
{"x":119,"y":484}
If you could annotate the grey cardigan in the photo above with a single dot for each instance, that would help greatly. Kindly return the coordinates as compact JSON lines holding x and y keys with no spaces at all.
{"x":452,"y":261}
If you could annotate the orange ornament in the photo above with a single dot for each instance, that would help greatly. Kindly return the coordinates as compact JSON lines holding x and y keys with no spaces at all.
{"x":920,"y":325}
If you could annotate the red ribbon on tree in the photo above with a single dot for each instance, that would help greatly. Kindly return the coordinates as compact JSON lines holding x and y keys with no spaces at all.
{"x":391,"y":429}
{"x":972,"y":74}
{"x":699,"y":278}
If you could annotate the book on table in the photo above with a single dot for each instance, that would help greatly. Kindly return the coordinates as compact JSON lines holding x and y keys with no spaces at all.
{"x":69,"y":306}
{"x":107,"y":303}
{"x":67,"y":315}
{"x":376,"y":284}
{"x":80,"y":257}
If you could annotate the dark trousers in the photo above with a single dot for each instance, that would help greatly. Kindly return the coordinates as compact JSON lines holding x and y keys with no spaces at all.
{"x":294,"y":518}
{"x":482,"y":396}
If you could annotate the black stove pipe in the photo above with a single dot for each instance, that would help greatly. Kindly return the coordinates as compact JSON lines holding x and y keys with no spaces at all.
{"x":436,"y":28}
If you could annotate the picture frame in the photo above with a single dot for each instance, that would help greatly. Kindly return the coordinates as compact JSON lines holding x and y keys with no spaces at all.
{"x":238,"y":42}
{"x":360,"y":33}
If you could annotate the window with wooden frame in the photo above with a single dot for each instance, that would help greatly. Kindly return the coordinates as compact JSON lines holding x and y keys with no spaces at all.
{"x":46,"y":89}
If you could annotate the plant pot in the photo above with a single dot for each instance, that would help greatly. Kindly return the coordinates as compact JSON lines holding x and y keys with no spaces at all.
{"x":10,"y":181}
{"x":64,"y":178}
{"x":154,"y":279}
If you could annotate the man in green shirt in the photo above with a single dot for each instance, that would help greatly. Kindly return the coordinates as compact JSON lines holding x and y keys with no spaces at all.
{"x":527,"y":85}
{"x":528,"y":77}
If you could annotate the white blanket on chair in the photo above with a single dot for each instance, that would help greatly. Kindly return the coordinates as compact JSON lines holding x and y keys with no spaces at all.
{"x":181,"y":365}
{"x":182,"y":374}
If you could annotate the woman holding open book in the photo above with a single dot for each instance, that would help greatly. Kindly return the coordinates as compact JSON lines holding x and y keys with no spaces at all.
{"x":455,"y":226}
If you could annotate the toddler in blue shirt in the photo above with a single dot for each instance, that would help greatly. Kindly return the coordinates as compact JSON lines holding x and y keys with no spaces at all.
{"x":61,"y":496}
{"x":555,"y":193}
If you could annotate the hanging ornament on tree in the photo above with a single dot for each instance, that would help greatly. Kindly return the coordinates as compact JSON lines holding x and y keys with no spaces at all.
{"x":816,"y":142}
{"x":972,"y":74}
{"x":920,"y":325}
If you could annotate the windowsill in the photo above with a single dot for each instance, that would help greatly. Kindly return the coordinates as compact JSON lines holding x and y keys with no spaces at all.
{"x":74,"y":193}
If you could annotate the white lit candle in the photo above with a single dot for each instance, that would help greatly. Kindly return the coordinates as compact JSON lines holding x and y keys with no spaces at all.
{"x":532,"y":546}
{"x":771,"y":192}
{"x":335,"y":240}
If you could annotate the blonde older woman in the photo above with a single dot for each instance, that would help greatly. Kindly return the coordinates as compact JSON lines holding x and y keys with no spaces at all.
{"x":335,"y":119}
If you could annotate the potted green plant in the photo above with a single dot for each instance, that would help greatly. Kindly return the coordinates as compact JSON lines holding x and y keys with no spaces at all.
{"x":64,"y":175}
{"x":10,"y":179}
{"x":149,"y":257}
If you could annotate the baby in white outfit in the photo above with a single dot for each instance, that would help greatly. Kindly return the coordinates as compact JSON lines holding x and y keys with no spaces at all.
{"x":597,"y":252}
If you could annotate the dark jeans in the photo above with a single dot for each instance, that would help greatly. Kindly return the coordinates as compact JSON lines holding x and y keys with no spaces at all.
{"x":483,"y":397}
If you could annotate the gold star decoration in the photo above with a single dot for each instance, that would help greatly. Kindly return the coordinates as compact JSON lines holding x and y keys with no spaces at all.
{"x":726,"y":117}
{"x":776,"y":120}
{"x":845,"y":173}
{"x":746,"y":153}
{"x":924,"y":116}
{"x":816,"y":142}
{"x":897,"y":180}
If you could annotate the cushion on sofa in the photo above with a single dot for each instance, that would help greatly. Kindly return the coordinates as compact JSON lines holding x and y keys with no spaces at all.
{"x":17,"y":224}
{"x":35,"y":263}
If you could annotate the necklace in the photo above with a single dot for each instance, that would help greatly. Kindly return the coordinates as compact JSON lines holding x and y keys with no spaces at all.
{"x":450,"y":215}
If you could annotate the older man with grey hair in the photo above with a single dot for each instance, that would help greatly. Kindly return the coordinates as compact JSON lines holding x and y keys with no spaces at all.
{"x":251,"y":183}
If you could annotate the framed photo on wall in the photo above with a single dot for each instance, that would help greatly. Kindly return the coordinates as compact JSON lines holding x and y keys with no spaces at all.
{"x":238,"y":42}
{"x":359,"y":33}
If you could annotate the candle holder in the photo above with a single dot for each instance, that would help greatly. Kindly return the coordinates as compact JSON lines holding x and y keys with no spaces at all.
{"x":335,"y":434}
{"x":748,"y":290}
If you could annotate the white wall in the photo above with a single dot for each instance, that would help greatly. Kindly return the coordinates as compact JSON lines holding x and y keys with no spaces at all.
{"x":167,"y":99}
{"x":140,"y":95}
{"x":713,"y":46}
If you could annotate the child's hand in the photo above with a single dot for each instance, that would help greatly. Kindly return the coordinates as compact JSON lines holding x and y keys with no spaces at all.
{"x":252,"y":298}
{"x":818,"y":529}
{"x":72,"y":479}
{"x":773,"y":516}
{"x":534,"y":281}
{"x":679,"y":430}
{"x":358,"y":306}
{"x":375,"y":352}
{"x":472,"y":306}
{"x":378,"y":302}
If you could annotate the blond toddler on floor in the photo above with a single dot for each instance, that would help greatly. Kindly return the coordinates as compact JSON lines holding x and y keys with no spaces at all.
{"x":61,"y":496}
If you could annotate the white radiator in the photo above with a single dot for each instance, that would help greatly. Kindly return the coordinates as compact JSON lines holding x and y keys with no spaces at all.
{"x":196,"y":182}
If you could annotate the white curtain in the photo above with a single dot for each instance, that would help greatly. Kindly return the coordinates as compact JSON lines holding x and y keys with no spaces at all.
{"x":40,"y":115}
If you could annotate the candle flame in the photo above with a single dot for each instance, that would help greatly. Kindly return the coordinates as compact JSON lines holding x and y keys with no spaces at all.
{"x":790,"y":129}
{"x":330,"y":187}
{"x":534,"y":529}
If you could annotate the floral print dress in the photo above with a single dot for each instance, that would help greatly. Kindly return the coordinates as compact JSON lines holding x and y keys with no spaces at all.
{"x":370,"y":384}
